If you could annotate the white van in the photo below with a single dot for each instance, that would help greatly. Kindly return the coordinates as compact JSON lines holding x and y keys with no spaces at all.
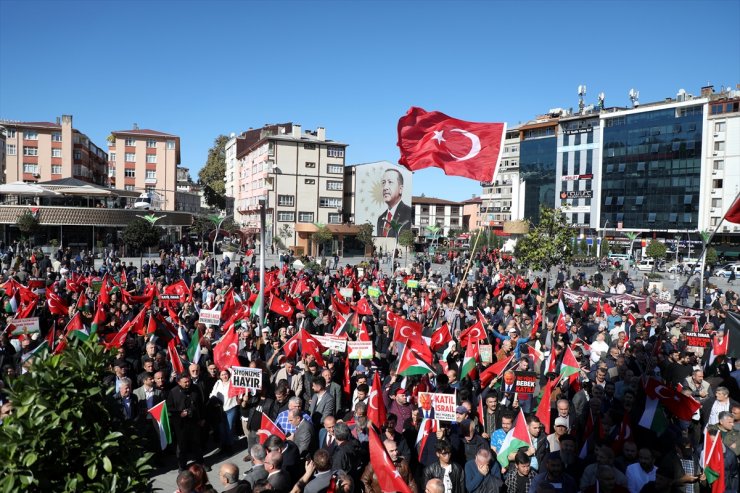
{"x":646,"y":264}
{"x":622,"y":257}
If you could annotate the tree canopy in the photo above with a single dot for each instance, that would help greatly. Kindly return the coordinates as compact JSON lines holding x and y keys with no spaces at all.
{"x":212,"y":175}
{"x":548,"y":243}
{"x":141,"y":234}
{"x":27,"y":223}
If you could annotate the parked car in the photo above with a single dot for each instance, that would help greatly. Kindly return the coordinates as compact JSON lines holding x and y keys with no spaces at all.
{"x":725,"y":270}
{"x":647,"y":264}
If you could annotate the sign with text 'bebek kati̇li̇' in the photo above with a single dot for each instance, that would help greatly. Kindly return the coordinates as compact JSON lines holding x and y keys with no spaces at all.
{"x":444,"y":405}
{"x":698,"y":339}
{"x":246,"y":378}
{"x":525,"y":383}
{"x":210,"y":317}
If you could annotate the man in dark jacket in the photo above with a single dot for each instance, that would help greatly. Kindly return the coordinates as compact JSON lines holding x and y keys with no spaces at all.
{"x":470,"y":442}
{"x":349,"y":455}
{"x":445,"y":467}
{"x":185,"y":405}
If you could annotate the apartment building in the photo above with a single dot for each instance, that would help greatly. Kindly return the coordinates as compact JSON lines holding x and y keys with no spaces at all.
{"x":431,"y":211}
{"x":145,"y":160}
{"x":44,"y":151}
{"x":472,"y":217}
{"x":300,"y":176}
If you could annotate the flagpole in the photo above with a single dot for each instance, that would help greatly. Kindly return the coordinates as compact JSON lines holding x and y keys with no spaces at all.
{"x":467,"y":268}
{"x":703,"y":252}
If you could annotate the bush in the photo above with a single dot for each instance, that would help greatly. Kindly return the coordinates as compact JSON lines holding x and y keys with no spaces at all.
{"x":63,"y":436}
{"x":653,"y":276}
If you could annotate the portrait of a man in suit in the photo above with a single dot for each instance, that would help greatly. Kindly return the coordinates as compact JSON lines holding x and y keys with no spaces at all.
{"x":395,"y":211}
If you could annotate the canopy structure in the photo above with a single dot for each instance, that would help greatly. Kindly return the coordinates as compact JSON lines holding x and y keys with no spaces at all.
{"x":86,"y":190}
{"x":22,"y":188}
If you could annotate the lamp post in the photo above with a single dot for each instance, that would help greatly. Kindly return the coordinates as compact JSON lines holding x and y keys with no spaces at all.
{"x":261,"y":318}
{"x":603,"y":234}
{"x":218,"y":221}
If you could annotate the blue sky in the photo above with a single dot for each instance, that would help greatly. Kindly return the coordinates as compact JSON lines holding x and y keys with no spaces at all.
{"x":199,"y":69}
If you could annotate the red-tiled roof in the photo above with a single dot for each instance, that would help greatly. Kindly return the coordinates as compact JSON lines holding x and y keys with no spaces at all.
{"x":474,"y":200}
{"x":143,"y":131}
{"x":432,"y":200}
{"x":32,"y":124}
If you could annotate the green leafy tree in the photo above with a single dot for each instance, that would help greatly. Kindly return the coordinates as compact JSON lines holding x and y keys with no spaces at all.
{"x":365,"y":235}
{"x":201,"y":226}
{"x":584,"y":247}
{"x":406,"y":239}
{"x":141,"y":234}
{"x":657,"y":251}
{"x":321,"y":237}
{"x":27,"y":224}
{"x":213,"y":174}
{"x":711,"y":256}
{"x":605,"y":247}
{"x":64,"y":434}
{"x":546,"y":245}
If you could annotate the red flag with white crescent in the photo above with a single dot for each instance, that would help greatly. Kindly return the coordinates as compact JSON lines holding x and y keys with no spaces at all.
{"x":376,"y":412}
{"x":226,"y":351}
{"x":267,"y":428}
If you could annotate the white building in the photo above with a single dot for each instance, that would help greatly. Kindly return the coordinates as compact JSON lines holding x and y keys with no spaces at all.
{"x":431,"y":211}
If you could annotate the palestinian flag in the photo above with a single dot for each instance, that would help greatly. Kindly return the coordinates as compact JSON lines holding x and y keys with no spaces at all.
{"x":732,"y":335}
{"x":495,"y":370}
{"x":159,"y":413}
{"x":75,"y":328}
{"x":193,"y":350}
{"x":98,"y":320}
{"x":713,"y":460}
{"x":570,"y":365}
{"x":316,"y":295}
{"x":13,"y":301}
{"x":312,"y":309}
{"x":517,"y":438}
{"x":535,"y":287}
{"x":41,"y":350}
{"x":469,"y":360}
{"x":81,"y":302}
{"x":410,"y":364}
{"x":654,"y":417}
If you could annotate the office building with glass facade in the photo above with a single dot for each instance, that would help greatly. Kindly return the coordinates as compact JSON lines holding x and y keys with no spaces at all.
{"x":537,"y":166}
{"x":652,"y":167}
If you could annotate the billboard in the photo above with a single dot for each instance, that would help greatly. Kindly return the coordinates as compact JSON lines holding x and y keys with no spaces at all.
{"x":382,"y":188}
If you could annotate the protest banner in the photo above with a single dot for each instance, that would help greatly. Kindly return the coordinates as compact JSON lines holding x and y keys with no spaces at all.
{"x":210,"y":317}
{"x":486,"y":353}
{"x":697,"y":339}
{"x":96,"y":285}
{"x":373,"y":292}
{"x":246,"y":378}
{"x":332,"y":342}
{"x":346,"y":292}
{"x":360,"y":349}
{"x":525,"y":383}
{"x":25,"y":325}
{"x":412,"y":283}
{"x":37,"y":283}
{"x":442,"y":406}
{"x":169,"y":297}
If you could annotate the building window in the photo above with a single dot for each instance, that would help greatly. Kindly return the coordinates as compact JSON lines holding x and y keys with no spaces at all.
{"x":56,"y":153}
{"x":719,"y":127}
{"x":717,"y":183}
{"x":56,"y":137}
{"x":286,"y":200}
{"x":78,"y":155}
{"x":170,"y":144}
{"x":718,"y":165}
{"x":309,"y":147}
{"x":30,"y":168}
{"x":56,"y":169}
{"x":330,"y":202}
{"x":310,"y":164}
{"x":130,"y":157}
{"x":651,"y":217}
{"x":334,"y":151}
{"x":10,"y":149}
{"x":305,"y":217}
{"x":151,"y":158}
{"x":286,"y":216}
{"x":334,"y":185}
{"x":335,"y":218}
{"x":716,"y":202}
{"x":30,"y":135}
{"x":112,"y":157}
{"x":151,"y":174}
{"x":130,"y":188}
{"x":129,"y":173}
{"x":30,"y":151}
{"x":335,"y":169}
{"x":719,"y":146}
{"x":130,"y":141}
{"x":309,"y":181}
{"x":151,"y":143}
{"x":11,"y":134}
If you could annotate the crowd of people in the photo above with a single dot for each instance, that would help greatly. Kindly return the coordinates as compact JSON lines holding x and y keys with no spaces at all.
{"x":315,"y":422}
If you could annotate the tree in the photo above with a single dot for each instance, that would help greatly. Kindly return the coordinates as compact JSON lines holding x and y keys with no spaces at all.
{"x":141,"y":234}
{"x":584,"y":247}
{"x":284,"y":233}
{"x":64,"y":434}
{"x":27,"y":223}
{"x":213,"y":174}
{"x":365,"y":235}
{"x":605,"y":247}
{"x":201,"y":226}
{"x":711,"y":257}
{"x":656,"y":250}
{"x":547,"y":244}
{"x":322,"y":236}
{"x":406,"y":238}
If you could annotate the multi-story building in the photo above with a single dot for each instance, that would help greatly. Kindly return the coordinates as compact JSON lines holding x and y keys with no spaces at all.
{"x":578,"y":167}
{"x":300,"y":175}
{"x":473,"y":218}
{"x":537,"y":163}
{"x":145,"y":160}
{"x":500,"y":199}
{"x":431,"y":211}
{"x":187,"y":196}
{"x":722,"y":155}
{"x":44,"y":151}
{"x":2,"y":153}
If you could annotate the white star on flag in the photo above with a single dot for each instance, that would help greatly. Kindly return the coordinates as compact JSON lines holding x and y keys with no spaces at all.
{"x":438,"y":136}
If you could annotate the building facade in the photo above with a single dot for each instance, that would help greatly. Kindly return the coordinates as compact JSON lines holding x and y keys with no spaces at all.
{"x":43,"y":151}
{"x":145,"y":160}
{"x":431,"y":211}
{"x":500,"y":199}
{"x":537,"y":164}
{"x":473,"y":218}
{"x":300,"y":176}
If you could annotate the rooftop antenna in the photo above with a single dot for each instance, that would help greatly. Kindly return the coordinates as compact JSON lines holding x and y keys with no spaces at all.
{"x":601,"y":100}
{"x":634,"y":97}
{"x":581,"y":93}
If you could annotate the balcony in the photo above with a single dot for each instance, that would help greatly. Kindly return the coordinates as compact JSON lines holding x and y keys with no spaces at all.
{"x":150,"y":181}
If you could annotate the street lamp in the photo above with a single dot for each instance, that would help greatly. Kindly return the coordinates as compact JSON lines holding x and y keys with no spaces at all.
{"x":218,"y":221}
{"x":260,"y":316}
{"x":603,"y":233}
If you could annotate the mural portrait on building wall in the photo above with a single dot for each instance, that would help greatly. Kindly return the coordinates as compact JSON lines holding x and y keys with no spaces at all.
{"x":383,"y":198}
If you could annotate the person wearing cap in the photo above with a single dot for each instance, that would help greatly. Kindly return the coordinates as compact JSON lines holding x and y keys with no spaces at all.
{"x":513,"y":336}
{"x":561,"y":428}
{"x":399,"y":405}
